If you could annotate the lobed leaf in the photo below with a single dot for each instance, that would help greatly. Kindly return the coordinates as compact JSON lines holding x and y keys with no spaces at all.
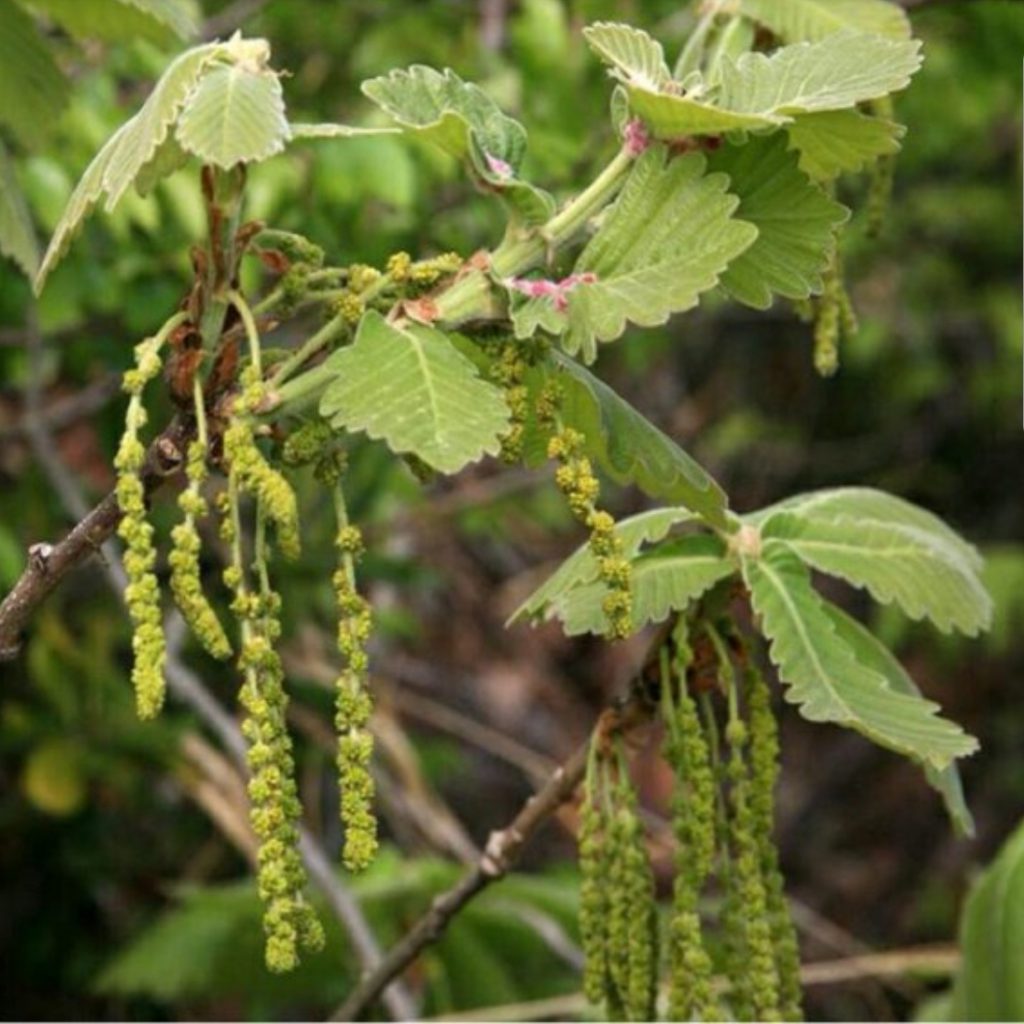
{"x":797,"y":21}
{"x":831,"y":142}
{"x":874,"y":655}
{"x":900,"y":563}
{"x":667,"y":239}
{"x":633,"y":55}
{"x":17,"y":236}
{"x":795,"y":222}
{"x":446,"y":111}
{"x":841,"y":503}
{"x":581,"y":566}
{"x":824,"y":677}
{"x":410,"y":387}
{"x":834,"y":73}
{"x":631,"y":449}
{"x":33,"y":89}
{"x":666,"y":580}
{"x":235,"y":115}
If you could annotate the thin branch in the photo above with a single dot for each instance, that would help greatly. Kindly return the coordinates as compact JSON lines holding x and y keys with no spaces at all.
{"x":41,"y":578}
{"x":502,"y":851}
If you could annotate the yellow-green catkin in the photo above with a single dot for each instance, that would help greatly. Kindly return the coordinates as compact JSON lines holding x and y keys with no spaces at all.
{"x":632,"y":915}
{"x":289,"y":921}
{"x":755,"y":978}
{"x":509,"y":372}
{"x":594,"y":873}
{"x":827,"y":323}
{"x":186,"y":581}
{"x":252,"y":471}
{"x":576,"y":480}
{"x":426,"y":273}
{"x":142,"y":594}
{"x":691,"y":995}
{"x":354,"y":703}
{"x":764,"y":770}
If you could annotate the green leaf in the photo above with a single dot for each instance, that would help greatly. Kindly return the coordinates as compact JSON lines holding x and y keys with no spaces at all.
{"x":33,"y":90}
{"x":925,"y":577}
{"x":665,"y":580}
{"x":412,"y":388}
{"x":990,"y":984}
{"x":463,"y":121}
{"x":234,"y":116}
{"x":758,"y":91}
{"x":117,"y":20}
{"x":832,"y":74}
{"x":795,"y":222}
{"x":832,"y":142}
{"x":168,"y":158}
{"x":446,"y":111}
{"x":632,"y":53}
{"x":824,"y":676}
{"x":874,"y":655}
{"x":667,"y":239}
{"x":581,"y":566}
{"x":631,"y":449}
{"x":842,"y":503}
{"x":798,"y":21}
{"x":137,"y":144}
{"x":17,"y":236}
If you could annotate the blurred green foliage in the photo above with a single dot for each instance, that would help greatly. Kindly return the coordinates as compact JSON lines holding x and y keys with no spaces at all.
{"x":99,"y":839}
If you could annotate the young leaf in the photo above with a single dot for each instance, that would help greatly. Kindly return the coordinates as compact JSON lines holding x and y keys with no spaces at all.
{"x":895,"y":563}
{"x":631,"y":449}
{"x":831,"y":142}
{"x":759,"y":91}
{"x":412,"y":388}
{"x":235,"y":115}
{"x":825,"y":678}
{"x":795,"y":221}
{"x":461,"y":119}
{"x":798,"y":21}
{"x":835,"y":73}
{"x":17,"y":236}
{"x":665,"y":580}
{"x":874,"y":655}
{"x":581,"y":566}
{"x":33,"y":90}
{"x":667,"y":239}
{"x":142,"y":136}
{"x":116,"y":20}
{"x":633,"y":55}
{"x":446,"y":111}
{"x":842,"y":503}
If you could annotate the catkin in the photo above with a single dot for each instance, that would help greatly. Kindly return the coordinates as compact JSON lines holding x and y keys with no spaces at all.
{"x":764,"y":767}
{"x":691,"y":995}
{"x":142,"y":594}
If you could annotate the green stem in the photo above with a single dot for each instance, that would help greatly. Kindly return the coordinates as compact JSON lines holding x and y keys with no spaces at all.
{"x":251,"y":331}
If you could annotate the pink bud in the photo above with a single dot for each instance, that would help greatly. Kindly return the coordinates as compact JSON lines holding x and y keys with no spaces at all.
{"x":636,"y":137}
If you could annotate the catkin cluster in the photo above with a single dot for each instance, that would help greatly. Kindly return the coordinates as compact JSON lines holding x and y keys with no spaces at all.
{"x":618,"y":920}
{"x":509,"y":372}
{"x":142,"y":594}
{"x":576,"y":480}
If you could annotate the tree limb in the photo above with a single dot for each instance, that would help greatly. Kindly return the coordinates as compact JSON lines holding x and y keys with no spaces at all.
{"x":502,"y":851}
